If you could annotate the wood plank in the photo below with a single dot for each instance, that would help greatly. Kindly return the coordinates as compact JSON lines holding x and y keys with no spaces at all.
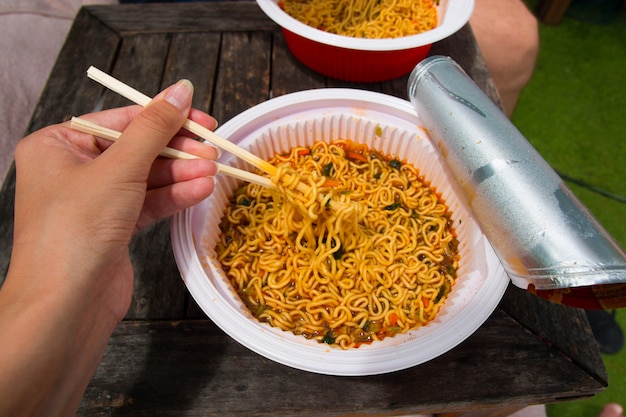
{"x":192,"y":368}
{"x":243,"y":78}
{"x":396,"y":87}
{"x":201,"y":69}
{"x":288,"y":74}
{"x":140,"y":63}
{"x":185,"y":17}
{"x":159,"y":292}
{"x":68,"y":91}
{"x":567,"y":328}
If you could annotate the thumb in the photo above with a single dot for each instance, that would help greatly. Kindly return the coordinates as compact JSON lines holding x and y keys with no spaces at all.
{"x":151,"y":130}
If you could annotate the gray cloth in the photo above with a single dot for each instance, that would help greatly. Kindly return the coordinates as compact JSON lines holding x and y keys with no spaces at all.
{"x":32,"y":33}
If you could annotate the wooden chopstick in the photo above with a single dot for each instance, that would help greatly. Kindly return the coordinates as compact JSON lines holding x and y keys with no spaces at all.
{"x":143,"y":100}
{"x":86,"y":126}
{"x":206,"y":134}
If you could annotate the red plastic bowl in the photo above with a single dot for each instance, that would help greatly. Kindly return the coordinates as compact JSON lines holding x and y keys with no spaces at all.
{"x":365,"y":60}
{"x":352,"y":64}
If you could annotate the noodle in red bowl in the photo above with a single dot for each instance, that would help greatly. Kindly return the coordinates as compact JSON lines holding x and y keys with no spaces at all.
{"x":370,"y":19}
{"x":363,"y":58}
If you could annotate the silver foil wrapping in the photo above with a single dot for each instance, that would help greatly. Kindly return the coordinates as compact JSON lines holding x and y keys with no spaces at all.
{"x":541,"y":232}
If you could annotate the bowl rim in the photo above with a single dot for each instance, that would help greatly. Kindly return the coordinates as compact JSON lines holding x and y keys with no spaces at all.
{"x":457,"y":14}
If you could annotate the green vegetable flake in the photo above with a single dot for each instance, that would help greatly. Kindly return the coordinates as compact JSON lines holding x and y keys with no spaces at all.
{"x":443,"y":291}
{"x":394,"y":163}
{"x":261,"y":310}
{"x":337,"y":254}
{"x":328,"y":169}
{"x":328,"y":339}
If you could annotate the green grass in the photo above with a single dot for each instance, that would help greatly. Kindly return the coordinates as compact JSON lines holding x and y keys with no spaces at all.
{"x":574,"y":113}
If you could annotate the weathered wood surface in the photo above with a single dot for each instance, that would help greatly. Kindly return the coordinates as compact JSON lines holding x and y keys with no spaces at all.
{"x":166,"y":358}
{"x":180,"y":368}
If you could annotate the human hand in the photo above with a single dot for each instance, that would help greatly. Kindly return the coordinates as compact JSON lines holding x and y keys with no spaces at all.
{"x":78,"y":202}
{"x":86,"y":197}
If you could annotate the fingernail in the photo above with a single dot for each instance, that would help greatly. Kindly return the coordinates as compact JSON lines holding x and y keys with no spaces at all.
{"x":180,"y":95}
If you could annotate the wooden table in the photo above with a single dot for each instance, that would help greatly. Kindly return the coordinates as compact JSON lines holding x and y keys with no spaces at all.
{"x":551,"y":12}
{"x":167,"y":358}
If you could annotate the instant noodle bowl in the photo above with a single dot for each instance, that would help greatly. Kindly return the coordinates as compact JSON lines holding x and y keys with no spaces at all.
{"x":365,"y":60}
{"x":381,"y":122}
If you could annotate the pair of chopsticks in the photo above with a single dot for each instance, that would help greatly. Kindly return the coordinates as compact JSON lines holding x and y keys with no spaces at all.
{"x":143,"y":100}
{"x":86,"y":126}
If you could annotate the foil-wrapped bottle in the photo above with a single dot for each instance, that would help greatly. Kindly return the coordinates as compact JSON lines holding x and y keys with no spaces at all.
{"x":544,"y":236}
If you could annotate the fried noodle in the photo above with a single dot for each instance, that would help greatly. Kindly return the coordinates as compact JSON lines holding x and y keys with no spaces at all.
{"x":376,"y":19}
{"x":381,"y":264}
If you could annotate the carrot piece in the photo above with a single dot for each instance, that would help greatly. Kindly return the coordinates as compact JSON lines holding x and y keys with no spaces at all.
{"x":393,"y":319}
{"x":331,"y":183}
{"x":355,"y":156}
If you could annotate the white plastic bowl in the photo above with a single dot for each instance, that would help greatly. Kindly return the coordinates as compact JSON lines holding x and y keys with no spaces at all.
{"x":328,"y":114}
{"x":365,"y":60}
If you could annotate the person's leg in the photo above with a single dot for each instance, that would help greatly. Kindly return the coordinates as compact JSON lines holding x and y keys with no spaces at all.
{"x":508,"y":35}
{"x":607,"y":332}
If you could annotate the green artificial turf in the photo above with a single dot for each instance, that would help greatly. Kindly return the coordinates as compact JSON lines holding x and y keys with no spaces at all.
{"x":574,"y":113}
